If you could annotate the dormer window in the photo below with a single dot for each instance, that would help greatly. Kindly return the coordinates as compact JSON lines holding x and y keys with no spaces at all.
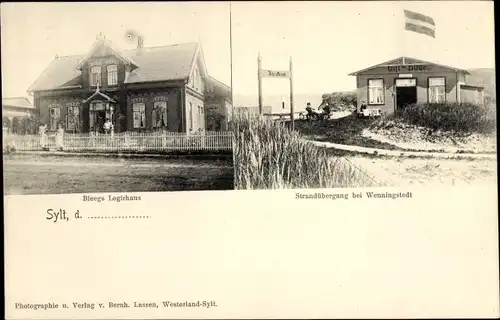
{"x":95,"y":76}
{"x":112,"y":75}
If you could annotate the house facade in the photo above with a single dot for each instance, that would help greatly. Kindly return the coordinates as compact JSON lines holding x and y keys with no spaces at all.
{"x":144,"y":89}
{"x":396,"y":83}
{"x":19,"y":116}
{"x":218,"y":105}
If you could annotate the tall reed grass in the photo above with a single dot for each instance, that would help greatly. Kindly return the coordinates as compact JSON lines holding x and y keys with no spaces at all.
{"x":267,"y":155}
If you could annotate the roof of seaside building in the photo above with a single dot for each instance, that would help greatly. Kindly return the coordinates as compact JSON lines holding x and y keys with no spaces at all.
{"x":406,"y":61}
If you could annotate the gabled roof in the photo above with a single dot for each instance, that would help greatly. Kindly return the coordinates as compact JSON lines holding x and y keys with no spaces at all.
{"x":106,"y":45}
{"x":19,"y":102}
{"x":407,"y":61}
{"x":219,"y":83}
{"x":199,"y":55}
{"x":163,"y":63}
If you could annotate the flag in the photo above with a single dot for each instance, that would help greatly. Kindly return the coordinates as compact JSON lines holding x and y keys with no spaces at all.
{"x":420,"y":23}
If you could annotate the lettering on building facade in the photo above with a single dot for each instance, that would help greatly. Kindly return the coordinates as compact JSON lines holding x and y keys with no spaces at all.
{"x":408,"y":68}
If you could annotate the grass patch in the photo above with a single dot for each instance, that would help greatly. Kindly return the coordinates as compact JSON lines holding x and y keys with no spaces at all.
{"x":346,"y":130}
{"x":454,"y":117}
{"x":267,"y":155}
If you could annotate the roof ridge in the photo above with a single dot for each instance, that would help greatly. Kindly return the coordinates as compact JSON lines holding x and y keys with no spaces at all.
{"x":69,"y":55}
{"x":163,"y":46}
{"x":124,"y":50}
{"x":19,"y":97}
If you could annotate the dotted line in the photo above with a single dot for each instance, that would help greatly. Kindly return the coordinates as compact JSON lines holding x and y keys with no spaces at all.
{"x":120,"y":217}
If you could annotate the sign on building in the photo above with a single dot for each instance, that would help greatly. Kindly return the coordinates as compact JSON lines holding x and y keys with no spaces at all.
{"x":409,"y":68}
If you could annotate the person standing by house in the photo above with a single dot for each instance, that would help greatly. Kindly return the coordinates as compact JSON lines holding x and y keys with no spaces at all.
{"x":42,"y":130}
{"x":60,"y":138}
{"x":107,"y":126}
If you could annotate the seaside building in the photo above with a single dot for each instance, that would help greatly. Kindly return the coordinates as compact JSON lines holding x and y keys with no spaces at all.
{"x":393,"y":84}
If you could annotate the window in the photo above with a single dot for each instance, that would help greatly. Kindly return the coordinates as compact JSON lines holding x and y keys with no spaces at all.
{"x":406,"y":82}
{"x":54,"y":116}
{"x":112,"y":75}
{"x":139,"y":115}
{"x":376,"y":91}
{"x":190,"y":116}
{"x":95,"y":76}
{"x":200,"y":117}
{"x":160,"y":114}
{"x":437,"y":92}
{"x":72,"y":118}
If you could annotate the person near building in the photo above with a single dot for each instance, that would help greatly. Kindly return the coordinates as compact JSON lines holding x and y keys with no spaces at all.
{"x":310,"y":112}
{"x":60,"y":138}
{"x":42,"y":130}
{"x":325,"y":108}
{"x":107,"y":126}
{"x":362,"y":109}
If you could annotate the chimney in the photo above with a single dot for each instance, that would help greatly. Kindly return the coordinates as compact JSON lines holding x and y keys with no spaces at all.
{"x":140,"y":42}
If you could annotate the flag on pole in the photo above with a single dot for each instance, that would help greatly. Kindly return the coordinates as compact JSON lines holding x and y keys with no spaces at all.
{"x":420,"y":23}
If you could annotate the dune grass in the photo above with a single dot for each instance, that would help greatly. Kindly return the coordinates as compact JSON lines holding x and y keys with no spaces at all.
{"x":454,"y":117}
{"x":267,"y":155}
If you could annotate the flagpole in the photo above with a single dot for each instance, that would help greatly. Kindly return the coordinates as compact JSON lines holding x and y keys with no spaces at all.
{"x":259,"y":61}
{"x":402,"y":29}
{"x":291,"y":96}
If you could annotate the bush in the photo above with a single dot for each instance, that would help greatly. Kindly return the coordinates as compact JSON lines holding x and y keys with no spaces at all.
{"x":267,"y":155}
{"x":342,"y":100}
{"x":456,"y":117}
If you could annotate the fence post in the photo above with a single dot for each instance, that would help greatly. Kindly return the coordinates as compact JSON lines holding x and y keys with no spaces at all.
{"x":164,"y":139}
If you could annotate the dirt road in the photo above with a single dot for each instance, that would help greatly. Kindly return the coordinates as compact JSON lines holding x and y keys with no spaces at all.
{"x":55,"y":175}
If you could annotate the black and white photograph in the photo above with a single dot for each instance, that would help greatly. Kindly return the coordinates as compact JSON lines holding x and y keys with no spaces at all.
{"x":363,"y":94}
{"x":116,"y":97}
{"x":250,"y":160}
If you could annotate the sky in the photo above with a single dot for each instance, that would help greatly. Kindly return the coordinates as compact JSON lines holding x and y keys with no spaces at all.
{"x":34,"y":33}
{"x":329,"y":40}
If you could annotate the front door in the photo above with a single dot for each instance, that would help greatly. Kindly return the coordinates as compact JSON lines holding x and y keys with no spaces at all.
{"x":97,"y":119}
{"x":97,"y":116}
{"x":406,"y":92}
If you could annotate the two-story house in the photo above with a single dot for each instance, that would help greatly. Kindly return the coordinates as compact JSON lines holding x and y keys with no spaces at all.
{"x":144,"y":89}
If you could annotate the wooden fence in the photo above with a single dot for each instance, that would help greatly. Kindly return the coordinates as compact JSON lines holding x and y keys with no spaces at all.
{"x":125,"y":141}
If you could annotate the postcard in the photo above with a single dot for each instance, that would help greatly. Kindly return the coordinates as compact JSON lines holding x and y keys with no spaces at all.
{"x":172,"y":160}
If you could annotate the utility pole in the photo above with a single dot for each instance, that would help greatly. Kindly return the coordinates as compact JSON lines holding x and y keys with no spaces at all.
{"x":259,"y":67}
